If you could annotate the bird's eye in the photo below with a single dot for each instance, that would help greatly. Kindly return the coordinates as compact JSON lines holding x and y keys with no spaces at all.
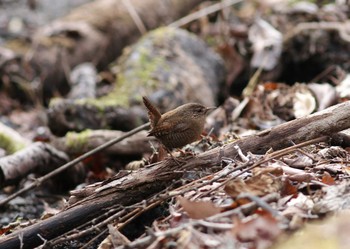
{"x":199,"y":110}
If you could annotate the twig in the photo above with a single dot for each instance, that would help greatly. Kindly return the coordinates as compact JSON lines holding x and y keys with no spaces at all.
{"x":261,"y":203}
{"x":325,"y":72}
{"x":203,"y":12}
{"x":269,"y":157}
{"x":135,"y":16}
{"x":122,"y":222}
{"x":73,"y":235}
{"x":212,"y":225}
{"x":146,"y":240}
{"x":44,"y":178}
{"x":119,"y":215}
{"x":244,"y":167}
{"x":342,"y":27}
{"x":89,"y":243}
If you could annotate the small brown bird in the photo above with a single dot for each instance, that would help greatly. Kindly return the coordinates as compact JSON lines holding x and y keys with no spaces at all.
{"x":178,"y":127}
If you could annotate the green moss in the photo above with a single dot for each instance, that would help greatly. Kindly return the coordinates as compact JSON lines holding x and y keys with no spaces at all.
{"x":77,"y":141}
{"x":54,"y":101}
{"x":143,"y":69}
{"x":163,"y":33}
{"x":9,"y":145}
{"x":137,"y":71}
{"x":103,"y":102}
{"x":292,"y":2}
{"x":211,"y":41}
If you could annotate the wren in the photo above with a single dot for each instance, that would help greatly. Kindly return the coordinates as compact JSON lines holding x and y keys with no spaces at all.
{"x":178,"y":127}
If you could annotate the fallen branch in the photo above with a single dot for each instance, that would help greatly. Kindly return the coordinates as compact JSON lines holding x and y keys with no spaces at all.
{"x":342,"y":27}
{"x":78,"y":143}
{"x":203,"y":12}
{"x":37,"y":157}
{"x":40,"y":180}
{"x":10,"y":140}
{"x":123,"y":190}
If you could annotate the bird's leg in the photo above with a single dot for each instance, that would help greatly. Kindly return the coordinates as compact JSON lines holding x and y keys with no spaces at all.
{"x":187,"y":153}
{"x":176,"y":160}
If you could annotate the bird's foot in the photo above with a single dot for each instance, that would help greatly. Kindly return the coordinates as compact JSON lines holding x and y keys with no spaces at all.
{"x":185,"y":153}
{"x":177,"y":160}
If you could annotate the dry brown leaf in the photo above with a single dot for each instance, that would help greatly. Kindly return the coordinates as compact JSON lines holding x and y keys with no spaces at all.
{"x":299,"y":161}
{"x":262,"y":231}
{"x":334,"y":198}
{"x":328,"y":179}
{"x":260,"y":184}
{"x":198,"y":209}
{"x":276,"y":171}
{"x":299,"y":206}
{"x":270,"y":86}
{"x":235,"y":187}
{"x":346,"y":169}
{"x":333,"y":152}
{"x":303,"y":177}
{"x":289,"y":189}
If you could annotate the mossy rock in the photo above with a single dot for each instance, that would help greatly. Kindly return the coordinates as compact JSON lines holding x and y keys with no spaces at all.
{"x":172,"y":67}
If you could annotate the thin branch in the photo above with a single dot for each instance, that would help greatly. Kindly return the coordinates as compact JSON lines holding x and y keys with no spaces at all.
{"x":203,"y":12}
{"x":267,"y":158}
{"x":135,"y":16}
{"x":342,"y":27}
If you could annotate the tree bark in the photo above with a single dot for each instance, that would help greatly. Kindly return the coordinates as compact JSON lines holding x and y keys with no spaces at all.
{"x":79,"y":143}
{"x":37,"y":157}
{"x":40,"y":158}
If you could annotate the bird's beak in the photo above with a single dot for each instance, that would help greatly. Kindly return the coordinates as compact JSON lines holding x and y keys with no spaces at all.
{"x":210,"y":108}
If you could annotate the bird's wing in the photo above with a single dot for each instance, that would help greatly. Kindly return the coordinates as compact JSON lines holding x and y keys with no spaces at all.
{"x":166,"y":127}
{"x":181,"y":127}
{"x":153,"y":113}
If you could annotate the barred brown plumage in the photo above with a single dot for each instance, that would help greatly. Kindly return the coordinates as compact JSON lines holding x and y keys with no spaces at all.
{"x":178,"y":127}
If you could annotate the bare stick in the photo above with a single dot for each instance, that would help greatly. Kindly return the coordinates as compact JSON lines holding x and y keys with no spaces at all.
{"x":203,"y":12}
{"x":135,"y":16}
{"x":342,"y":27}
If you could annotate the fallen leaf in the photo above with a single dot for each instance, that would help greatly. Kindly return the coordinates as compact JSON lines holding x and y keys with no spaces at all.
{"x":198,"y":209}
{"x":262,"y":231}
{"x":328,"y":179}
{"x":289,"y":189}
{"x":260,"y":184}
{"x":303,"y":177}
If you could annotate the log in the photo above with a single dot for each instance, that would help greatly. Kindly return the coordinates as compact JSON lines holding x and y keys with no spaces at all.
{"x":39,"y":158}
{"x":83,"y":81}
{"x":138,"y":185}
{"x":10,"y":140}
{"x":78,"y":143}
{"x":67,"y":115}
{"x":191,"y":72}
